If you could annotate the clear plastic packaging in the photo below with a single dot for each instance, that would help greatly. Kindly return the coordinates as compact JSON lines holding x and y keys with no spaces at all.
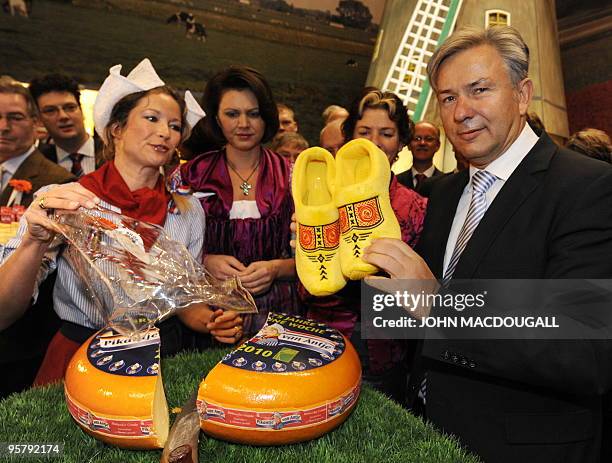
{"x":135,"y":274}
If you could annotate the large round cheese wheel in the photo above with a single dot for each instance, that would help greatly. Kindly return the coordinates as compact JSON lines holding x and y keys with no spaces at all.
{"x":293,"y":381}
{"x":114,"y":390}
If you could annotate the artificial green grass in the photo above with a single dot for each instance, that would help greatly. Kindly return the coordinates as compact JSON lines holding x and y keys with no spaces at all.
{"x":377,"y":431}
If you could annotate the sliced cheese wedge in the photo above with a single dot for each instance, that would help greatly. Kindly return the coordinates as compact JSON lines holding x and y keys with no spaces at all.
{"x":114,"y":390}
{"x":295,"y":380}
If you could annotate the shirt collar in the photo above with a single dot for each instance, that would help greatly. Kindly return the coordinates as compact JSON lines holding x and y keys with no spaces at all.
{"x":504,"y":165}
{"x":428,"y":172}
{"x":11,"y":165}
{"x":88,"y":150}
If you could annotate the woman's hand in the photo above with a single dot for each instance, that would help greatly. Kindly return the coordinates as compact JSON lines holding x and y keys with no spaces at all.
{"x":223,"y":267}
{"x":293,"y":228}
{"x":196,"y":317}
{"x":259,"y":276}
{"x":226,"y":326}
{"x":68,"y":197}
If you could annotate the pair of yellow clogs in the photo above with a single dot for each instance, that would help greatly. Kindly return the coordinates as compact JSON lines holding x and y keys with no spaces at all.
{"x":340,"y":206}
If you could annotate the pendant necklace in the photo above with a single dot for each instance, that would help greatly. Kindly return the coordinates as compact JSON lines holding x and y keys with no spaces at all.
{"x":245,"y":186}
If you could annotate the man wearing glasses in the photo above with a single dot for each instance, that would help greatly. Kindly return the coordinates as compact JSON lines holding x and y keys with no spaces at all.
{"x":424,"y":144}
{"x":23,"y":344}
{"x":58,"y":99}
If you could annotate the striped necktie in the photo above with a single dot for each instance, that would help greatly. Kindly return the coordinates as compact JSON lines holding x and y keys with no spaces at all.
{"x":481,"y":182}
{"x":77,"y":168}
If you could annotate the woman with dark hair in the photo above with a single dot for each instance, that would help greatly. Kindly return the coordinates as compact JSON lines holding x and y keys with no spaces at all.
{"x":247,"y":195}
{"x":141,"y":122}
{"x":381,"y":118}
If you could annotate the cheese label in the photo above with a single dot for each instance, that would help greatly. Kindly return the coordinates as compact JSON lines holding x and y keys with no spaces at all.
{"x":288,"y":343}
{"x":106,"y":425}
{"x":121,"y":355}
{"x":274,"y":421}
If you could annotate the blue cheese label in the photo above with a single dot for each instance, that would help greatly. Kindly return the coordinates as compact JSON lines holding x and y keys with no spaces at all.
{"x":288,"y":343}
{"x":121,"y":355}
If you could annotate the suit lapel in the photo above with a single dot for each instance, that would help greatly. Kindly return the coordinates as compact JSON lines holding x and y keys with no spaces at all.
{"x":513,"y":194}
{"x":28,"y":170}
{"x":440,"y":214}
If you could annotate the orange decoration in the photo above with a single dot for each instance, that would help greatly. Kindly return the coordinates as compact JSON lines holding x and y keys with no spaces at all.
{"x":21,"y":185}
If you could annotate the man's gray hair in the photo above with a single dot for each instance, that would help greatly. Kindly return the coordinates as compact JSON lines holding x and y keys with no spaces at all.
{"x":505,"y":39}
{"x":9,"y":86}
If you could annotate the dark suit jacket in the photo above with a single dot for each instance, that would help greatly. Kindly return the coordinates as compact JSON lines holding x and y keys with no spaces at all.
{"x":525,"y":401}
{"x":40,"y":172}
{"x":406,"y":179}
{"x":50,"y":151}
{"x":23,"y":344}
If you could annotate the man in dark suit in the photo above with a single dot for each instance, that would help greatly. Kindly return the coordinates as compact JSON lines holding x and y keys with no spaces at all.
{"x":525,"y":209}
{"x":23,"y":342}
{"x":58,"y":99}
{"x":423,"y":145}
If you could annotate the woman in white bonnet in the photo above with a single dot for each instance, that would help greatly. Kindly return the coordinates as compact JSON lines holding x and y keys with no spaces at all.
{"x":142,"y":121}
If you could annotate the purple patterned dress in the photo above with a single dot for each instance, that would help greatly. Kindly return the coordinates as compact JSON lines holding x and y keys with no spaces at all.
{"x":248,"y":240}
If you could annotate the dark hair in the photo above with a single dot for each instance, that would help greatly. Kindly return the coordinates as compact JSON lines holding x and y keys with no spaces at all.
{"x":593,"y":143}
{"x":54,"y":83}
{"x":373,"y":98}
{"x":123,"y":108}
{"x":198,"y":142}
{"x":8,"y":86}
{"x":239,"y":78}
{"x":536,"y":124}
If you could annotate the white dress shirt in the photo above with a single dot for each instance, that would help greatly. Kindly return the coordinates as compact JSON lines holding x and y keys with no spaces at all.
{"x":88,"y":163}
{"x":502,"y":168}
{"x":10,"y":166}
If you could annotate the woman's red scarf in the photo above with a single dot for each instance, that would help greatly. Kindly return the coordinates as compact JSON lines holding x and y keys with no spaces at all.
{"x":145,"y":204}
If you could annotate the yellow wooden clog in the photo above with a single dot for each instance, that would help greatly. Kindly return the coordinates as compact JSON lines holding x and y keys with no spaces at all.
{"x":362,"y":197}
{"x":316,"y":256}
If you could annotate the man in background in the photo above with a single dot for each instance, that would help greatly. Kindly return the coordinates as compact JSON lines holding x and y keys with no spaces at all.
{"x":58,"y":99}
{"x":24,"y":342}
{"x":331,"y":137}
{"x":289,"y":145}
{"x":424,"y":144}
{"x":286,"y":119}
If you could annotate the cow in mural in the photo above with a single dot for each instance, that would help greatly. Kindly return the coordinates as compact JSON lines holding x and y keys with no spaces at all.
{"x":16,"y":7}
{"x":180,"y":17}
{"x":197,"y":30}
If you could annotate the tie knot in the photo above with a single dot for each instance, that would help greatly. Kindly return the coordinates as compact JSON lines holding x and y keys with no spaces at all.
{"x":76,"y":156}
{"x":482,"y":181}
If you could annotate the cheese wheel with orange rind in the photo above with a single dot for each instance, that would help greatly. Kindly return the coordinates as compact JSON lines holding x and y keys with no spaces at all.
{"x":114,"y":390}
{"x":295,"y":380}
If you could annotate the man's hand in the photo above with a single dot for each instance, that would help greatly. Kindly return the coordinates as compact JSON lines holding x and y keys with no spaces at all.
{"x":408,"y":271}
{"x":397,"y":259}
